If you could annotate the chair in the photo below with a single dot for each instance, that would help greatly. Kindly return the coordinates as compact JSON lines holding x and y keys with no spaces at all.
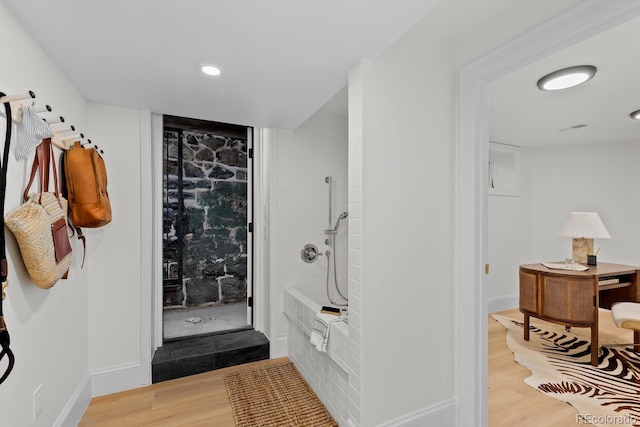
{"x":626,"y":315}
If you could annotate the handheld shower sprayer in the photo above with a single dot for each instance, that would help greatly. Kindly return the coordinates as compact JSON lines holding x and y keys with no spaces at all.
{"x":334,"y":230}
{"x":342,"y":216}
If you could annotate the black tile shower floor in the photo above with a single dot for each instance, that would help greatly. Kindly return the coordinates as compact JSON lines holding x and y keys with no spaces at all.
{"x":199,"y":354}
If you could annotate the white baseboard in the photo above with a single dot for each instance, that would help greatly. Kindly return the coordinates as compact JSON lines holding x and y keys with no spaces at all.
{"x":442,"y":414}
{"x":76,"y":406}
{"x":505,"y":302}
{"x":116,"y":379}
{"x":98,"y":383}
{"x":278,"y":348}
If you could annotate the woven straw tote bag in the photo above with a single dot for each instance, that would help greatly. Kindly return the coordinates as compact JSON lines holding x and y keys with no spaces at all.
{"x":31,"y":224}
{"x":40,"y":228}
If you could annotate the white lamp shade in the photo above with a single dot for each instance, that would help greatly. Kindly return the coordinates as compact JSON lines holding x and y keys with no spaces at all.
{"x":586,"y":225}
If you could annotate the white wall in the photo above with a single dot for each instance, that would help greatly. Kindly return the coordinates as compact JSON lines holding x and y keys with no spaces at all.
{"x":89,"y":325}
{"x":113,"y":251}
{"x":509,"y":231}
{"x":300,"y":208}
{"x":356,"y":243}
{"x":407,"y":100}
{"x":407,"y":230}
{"x":48,"y":328}
{"x":596,"y":177}
{"x":262,"y":248}
{"x":509,"y":240}
{"x":601,"y":178}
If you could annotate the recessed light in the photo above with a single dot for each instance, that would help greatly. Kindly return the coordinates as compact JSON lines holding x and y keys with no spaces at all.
{"x":210,"y":70}
{"x":635,"y":115}
{"x":567,"y":77}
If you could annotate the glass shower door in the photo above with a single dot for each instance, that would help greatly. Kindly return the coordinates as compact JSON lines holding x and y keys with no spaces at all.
{"x":206,"y":245}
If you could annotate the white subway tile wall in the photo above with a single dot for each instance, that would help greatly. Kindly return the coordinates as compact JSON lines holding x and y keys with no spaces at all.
{"x":305,"y":157}
{"x":355,"y":242}
{"x":301,"y":310}
{"x":315,"y":150}
{"x":325,"y":372}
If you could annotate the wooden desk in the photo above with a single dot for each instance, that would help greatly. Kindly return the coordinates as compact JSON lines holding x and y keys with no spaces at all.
{"x":572,"y":298}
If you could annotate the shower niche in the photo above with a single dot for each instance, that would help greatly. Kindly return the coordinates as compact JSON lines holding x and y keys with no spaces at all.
{"x":205,"y":227}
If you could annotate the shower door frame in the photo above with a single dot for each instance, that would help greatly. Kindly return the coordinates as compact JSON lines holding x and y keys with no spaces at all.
{"x":179,"y":224}
{"x":152,"y":316}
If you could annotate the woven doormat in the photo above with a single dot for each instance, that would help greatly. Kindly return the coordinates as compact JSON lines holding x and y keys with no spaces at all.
{"x":275,"y":395}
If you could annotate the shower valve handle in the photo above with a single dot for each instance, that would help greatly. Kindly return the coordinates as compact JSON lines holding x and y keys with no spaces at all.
{"x":309,"y":253}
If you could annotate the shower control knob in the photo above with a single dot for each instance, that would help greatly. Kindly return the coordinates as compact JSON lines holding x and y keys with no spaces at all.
{"x":309,"y":253}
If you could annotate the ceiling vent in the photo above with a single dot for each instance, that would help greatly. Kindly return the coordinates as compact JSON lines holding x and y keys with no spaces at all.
{"x":574,"y":127}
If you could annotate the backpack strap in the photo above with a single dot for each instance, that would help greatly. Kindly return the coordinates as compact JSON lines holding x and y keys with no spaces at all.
{"x":65,"y":194}
{"x":5,"y":340}
{"x":84,"y":244}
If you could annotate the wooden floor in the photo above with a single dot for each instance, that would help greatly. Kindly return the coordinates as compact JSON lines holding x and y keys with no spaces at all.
{"x":511,"y":401}
{"x":201,"y":400}
{"x":194,"y":401}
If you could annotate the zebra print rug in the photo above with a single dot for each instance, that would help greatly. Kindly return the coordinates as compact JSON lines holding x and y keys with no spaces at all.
{"x":559,"y":361}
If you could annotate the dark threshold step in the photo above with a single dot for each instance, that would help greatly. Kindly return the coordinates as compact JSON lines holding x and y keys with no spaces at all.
{"x":195,"y":355}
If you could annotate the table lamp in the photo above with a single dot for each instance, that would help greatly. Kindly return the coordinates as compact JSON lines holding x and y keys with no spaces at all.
{"x":584,"y":227}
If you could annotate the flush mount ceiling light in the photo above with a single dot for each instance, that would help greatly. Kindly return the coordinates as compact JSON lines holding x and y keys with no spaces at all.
{"x":210,"y":70}
{"x":635,"y":115}
{"x":567,"y":77}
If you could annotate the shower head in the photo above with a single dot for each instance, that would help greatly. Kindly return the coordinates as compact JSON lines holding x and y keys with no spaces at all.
{"x":342,"y":216}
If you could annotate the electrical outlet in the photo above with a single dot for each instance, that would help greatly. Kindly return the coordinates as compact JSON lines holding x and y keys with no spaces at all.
{"x":37,"y":402}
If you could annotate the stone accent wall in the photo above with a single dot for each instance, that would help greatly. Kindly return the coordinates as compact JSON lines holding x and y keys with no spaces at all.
{"x":214,"y":220}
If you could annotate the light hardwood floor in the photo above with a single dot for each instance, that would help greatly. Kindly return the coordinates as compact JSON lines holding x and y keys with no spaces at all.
{"x":201,"y":400}
{"x":511,"y":401}
{"x":194,"y":401}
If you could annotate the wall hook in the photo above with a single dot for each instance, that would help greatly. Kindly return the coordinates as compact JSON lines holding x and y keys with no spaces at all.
{"x":18,"y":97}
{"x":45,"y":109}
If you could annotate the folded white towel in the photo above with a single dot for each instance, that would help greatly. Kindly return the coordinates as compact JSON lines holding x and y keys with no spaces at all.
{"x":321,"y":327}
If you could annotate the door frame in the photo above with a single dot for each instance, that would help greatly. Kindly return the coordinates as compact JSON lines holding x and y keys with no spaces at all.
{"x":250,"y":224}
{"x":576,"y":24}
{"x":151,"y":306}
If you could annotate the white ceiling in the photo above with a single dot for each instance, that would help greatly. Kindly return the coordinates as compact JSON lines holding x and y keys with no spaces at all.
{"x":281,"y":60}
{"x":522,"y":115}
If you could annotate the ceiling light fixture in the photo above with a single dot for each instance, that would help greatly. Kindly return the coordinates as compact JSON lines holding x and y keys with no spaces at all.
{"x":567,"y":77}
{"x":635,"y":115}
{"x":210,"y":70}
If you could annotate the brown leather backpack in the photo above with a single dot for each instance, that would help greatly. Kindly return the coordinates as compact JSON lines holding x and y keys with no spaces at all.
{"x":85,"y":177}
{"x":85,"y":188}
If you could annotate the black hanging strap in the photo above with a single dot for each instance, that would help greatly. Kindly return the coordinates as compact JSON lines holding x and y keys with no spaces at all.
{"x":4,"y":272}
